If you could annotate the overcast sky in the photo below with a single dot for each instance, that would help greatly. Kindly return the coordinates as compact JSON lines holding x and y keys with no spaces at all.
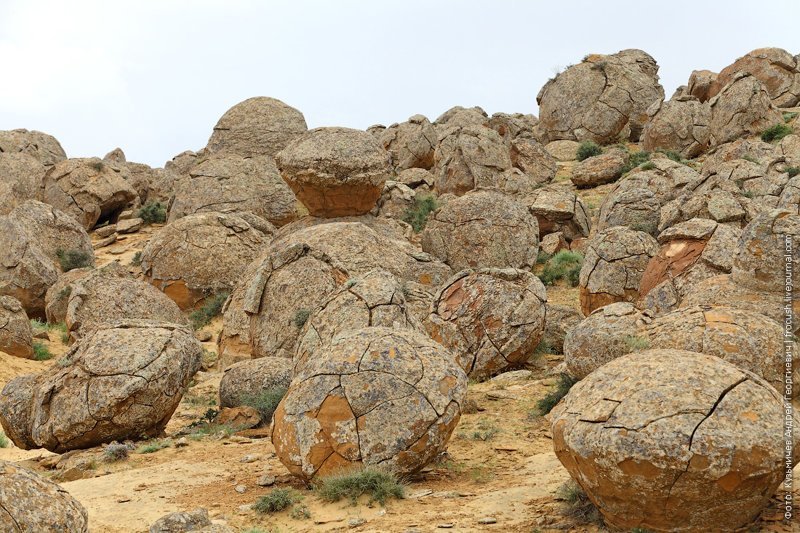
{"x":153,"y":76}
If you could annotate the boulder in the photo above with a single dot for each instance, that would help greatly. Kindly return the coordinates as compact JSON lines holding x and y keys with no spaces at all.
{"x":511,"y":126}
{"x":483,"y":229}
{"x":653,"y":437}
{"x":775,"y":68}
{"x":15,"y":329}
{"x":53,"y":231}
{"x":416,"y":179}
{"x":259,"y":126}
{"x":21,"y":179}
{"x":703,"y":84}
{"x":563,"y":150}
{"x":742,"y":108}
{"x":759,"y":261}
{"x":469,"y":157}
{"x":335,"y":171}
{"x":490,"y":319}
{"x":637,"y":208}
{"x":395,"y":201}
{"x":377,"y":396}
{"x":680,"y":125}
{"x":459,"y":116}
{"x":410,"y":144}
{"x":559,"y":210}
{"x":599,"y":169}
{"x":57,"y":296}
{"x":247,"y":380}
{"x":530,"y":157}
{"x":185,"y":521}
{"x":559,"y":321}
{"x":122,"y":381}
{"x":45,"y":148}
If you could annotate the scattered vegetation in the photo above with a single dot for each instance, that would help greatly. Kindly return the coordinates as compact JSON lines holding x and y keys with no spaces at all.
{"x":648,"y":166}
{"x":417,"y":214}
{"x":789,"y":115}
{"x":563,"y":385}
{"x":380,"y":485}
{"x":38,"y":326}
{"x":587,"y":149}
{"x":634,"y":160}
{"x":153,"y":446}
{"x":485,"y":431}
{"x":3,"y":440}
{"x":564,"y":265}
{"x":542,"y":257}
{"x":73,"y":258}
{"x":212,"y":306}
{"x":636,"y":343}
{"x":579,"y":506}
{"x":301,"y":317}
{"x":544,"y":347}
{"x":300,"y":512}
{"x":137,"y":259}
{"x":793,"y":171}
{"x":116,"y":452}
{"x":675,"y":156}
{"x":97,"y":165}
{"x":776,"y":133}
{"x":748,"y":157}
{"x":276,"y":501}
{"x":153,"y":213}
{"x":41,"y":352}
{"x":264,"y":402}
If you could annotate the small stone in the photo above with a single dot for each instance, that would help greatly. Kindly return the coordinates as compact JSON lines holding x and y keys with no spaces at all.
{"x":124,"y":499}
{"x":203,"y":336}
{"x":251,"y":458}
{"x":125,"y":215}
{"x":488,"y":520}
{"x":118,"y":250}
{"x":445,"y":526}
{"x":181,"y":442}
{"x":41,"y":335}
{"x":102,"y":243}
{"x":552,"y":243}
{"x":241,"y":489}
{"x":355,"y":522}
{"x":130,"y":225}
{"x":106,"y":231}
{"x":265,"y":481}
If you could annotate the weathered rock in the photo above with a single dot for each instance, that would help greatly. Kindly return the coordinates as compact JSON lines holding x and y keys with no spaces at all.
{"x":490,"y":319}
{"x":468,"y":158}
{"x":743,"y":107}
{"x":416,"y":178}
{"x":531,"y":158}
{"x":32,"y":503}
{"x":89,"y":189}
{"x":514,"y":125}
{"x":130,"y":225}
{"x":396,"y":199}
{"x":680,"y":124}
{"x":599,"y":169}
{"x":653,"y":437}
{"x":759,"y":261}
{"x":411,"y":143}
{"x":603,"y":98}
{"x":558,"y":323}
{"x":239,"y":418}
{"x":558,"y":209}
{"x":122,"y":381}
{"x":181,"y":522}
{"x":613,"y":266}
{"x":259,"y":126}
{"x":335,"y":171}
{"x":775,"y":68}
{"x":16,"y":337}
{"x":57,"y":296}
{"x":203,"y":254}
{"x":45,"y":148}
{"x":563,"y":150}
{"x":248,"y":379}
{"x":378,"y":396}
{"x":482,"y":229}
{"x":636,"y":208}
{"x":459,"y":116}
{"x":229,"y":183}
{"x":21,"y":179}
{"x":703,"y":84}
{"x":552,"y":243}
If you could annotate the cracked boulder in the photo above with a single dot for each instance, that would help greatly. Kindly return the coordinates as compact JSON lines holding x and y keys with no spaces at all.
{"x":15,"y":329}
{"x":490,"y":319}
{"x":376,"y":298}
{"x":613,"y":265}
{"x":759,"y":261}
{"x":203,"y":254}
{"x":602,"y":99}
{"x":680,"y":125}
{"x":230,"y":183}
{"x":559,"y":321}
{"x":558,"y":209}
{"x":512,"y":126}
{"x":53,"y":230}
{"x":529,"y":156}
{"x":411,"y":144}
{"x":483,"y":228}
{"x":775,"y":68}
{"x":742,"y":108}
{"x":89,"y":189}
{"x":259,"y":126}
{"x":458,"y":116}
{"x":122,"y":381}
{"x":21,"y":179}
{"x":599,"y":169}
{"x":45,"y":148}
{"x":690,"y":252}
{"x":469,"y":157}
{"x":246,"y":381}
{"x":653,"y":437}
{"x":30,"y":502}
{"x":378,"y":396}
{"x":57,"y":296}
{"x":395,"y":201}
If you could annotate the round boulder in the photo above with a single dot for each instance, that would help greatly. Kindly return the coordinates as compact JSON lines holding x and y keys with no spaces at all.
{"x":775,"y":68}
{"x":21,"y":179}
{"x":247,"y":380}
{"x":759,"y":261}
{"x":54,"y":231}
{"x":45,"y":148}
{"x":599,"y":169}
{"x":468,"y":158}
{"x":742,"y":108}
{"x":411,"y":143}
{"x":15,"y":329}
{"x":680,"y":125}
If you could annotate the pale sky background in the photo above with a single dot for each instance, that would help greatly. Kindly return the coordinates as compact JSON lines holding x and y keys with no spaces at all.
{"x":153,"y":76}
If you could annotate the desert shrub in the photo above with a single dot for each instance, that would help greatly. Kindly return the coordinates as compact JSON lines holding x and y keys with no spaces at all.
{"x":542,"y":257}
{"x":212,"y":306}
{"x":116,"y":452}
{"x":3,"y":440}
{"x":672,"y":154}
{"x":153,"y":213}
{"x":793,"y":171}
{"x":73,"y":258}
{"x":564,"y":265}
{"x":636,"y":343}
{"x":301,"y":317}
{"x":648,"y":166}
{"x":634,"y":160}
{"x":137,"y":259}
{"x":276,"y":501}
{"x":563,"y":385}
{"x":789,"y":115}
{"x":41,"y":352}
{"x":378,"y":484}
{"x":485,"y":431}
{"x":264,"y":402}
{"x":300,"y":512}
{"x":544,"y":347}
{"x":578,"y":504}
{"x":586,"y":150}
{"x":776,"y":133}
{"x":153,"y":447}
{"x":417,"y":214}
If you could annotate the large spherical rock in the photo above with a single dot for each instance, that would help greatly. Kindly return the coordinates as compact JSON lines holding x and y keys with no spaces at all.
{"x":613,"y":265}
{"x":248,"y":379}
{"x":21,"y":179}
{"x":489,"y":319}
{"x":230,"y":183}
{"x":257,"y":126}
{"x":469,"y":157}
{"x":775,"y":68}
{"x":379,"y":396}
{"x":743,"y":107}
{"x":759,"y":261}
{"x":335,"y":171}
{"x":15,"y":329}
{"x":33,"y":503}
{"x":53,"y":230}
{"x":603,"y":98}
{"x":411,"y":143}
{"x":89,"y":189}
{"x":45,"y":148}
{"x":483,"y":229}
{"x":653,"y":437}
{"x":122,"y":381}
{"x":558,"y":209}
{"x":680,"y":124}
{"x":203,"y":254}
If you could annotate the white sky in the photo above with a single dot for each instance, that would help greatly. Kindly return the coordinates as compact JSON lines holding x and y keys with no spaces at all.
{"x":153,"y":76}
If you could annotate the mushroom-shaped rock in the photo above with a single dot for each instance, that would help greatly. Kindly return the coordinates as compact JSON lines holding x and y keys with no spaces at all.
{"x":743,"y":107}
{"x":558,"y":209}
{"x":653,"y":437}
{"x":490,"y":319}
{"x":89,"y":189}
{"x":21,"y":179}
{"x":378,"y":396}
{"x":122,"y":381}
{"x":374,"y":299}
{"x":45,"y":148}
{"x":613,"y":265}
{"x":257,"y":126}
{"x":468,"y":158}
{"x":247,"y":380}
{"x":230,"y":183}
{"x":335,"y":171}
{"x":603,"y":98}
{"x":203,"y":254}
{"x":483,"y":228}
{"x":31,"y":502}
{"x":680,"y":125}
{"x":775,"y":68}
{"x":15,"y":329}
{"x":411,"y":143}
{"x":54,"y":231}
{"x":759,"y":263}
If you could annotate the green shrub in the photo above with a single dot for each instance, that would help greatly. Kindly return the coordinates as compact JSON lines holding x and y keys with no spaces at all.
{"x":587,"y":149}
{"x":379,"y":484}
{"x":672,"y":154}
{"x":153,"y":447}
{"x":3,"y":440}
{"x":276,"y":501}
{"x":301,"y":317}
{"x":578,"y":504}
{"x":793,"y":171}
{"x":72,"y":259}
{"x":300,"y":512}
{"x":634,"y":160}
{"x":417,"y":214}
{"x":41,"y":352}
{"x":137,"y":259}
{"x":542,"y":258}
{"x":564,"y":265}
{"x":485,"y":431}
{"x":153,"y":213}
{"x":564,"y":384}
{"x":789,"y":115}
{"x":648,"y":166}
{"x":264,"y":402}
{"x":776,"y":133}
{"x":637,"y":343}
{"x":212,"y":306}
